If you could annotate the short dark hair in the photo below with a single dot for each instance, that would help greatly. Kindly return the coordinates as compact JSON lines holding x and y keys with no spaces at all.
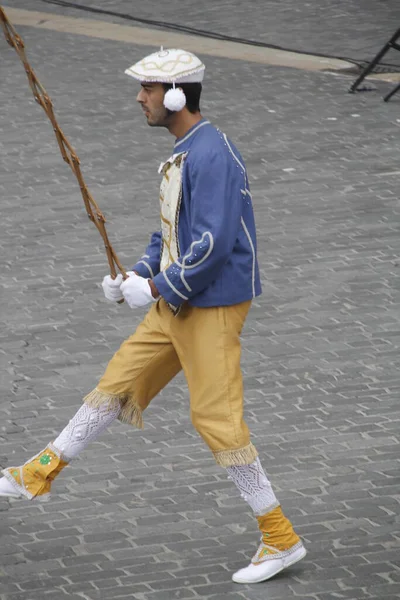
{"x":192,"y":92}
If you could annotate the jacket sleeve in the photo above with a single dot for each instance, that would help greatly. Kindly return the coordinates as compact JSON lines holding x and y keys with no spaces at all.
{"x":215,"y":209}
{"x":149,"y":264}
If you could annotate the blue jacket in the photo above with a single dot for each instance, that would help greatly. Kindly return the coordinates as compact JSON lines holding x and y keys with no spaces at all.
{"x":216,"y":231}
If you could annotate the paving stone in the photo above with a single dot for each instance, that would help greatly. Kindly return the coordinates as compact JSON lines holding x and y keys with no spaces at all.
{"x":139,"y":514}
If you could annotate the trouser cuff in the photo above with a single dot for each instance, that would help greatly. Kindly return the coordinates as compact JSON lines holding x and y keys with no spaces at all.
{"x":239,"y":456}
{"x":131,"y":412}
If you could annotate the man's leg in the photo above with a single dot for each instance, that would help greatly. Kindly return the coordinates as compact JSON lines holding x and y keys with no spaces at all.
{"x":142,"y":366}
{"x":280,"y":546}
{"x":208,"y":344}
{"x":33,"y":479}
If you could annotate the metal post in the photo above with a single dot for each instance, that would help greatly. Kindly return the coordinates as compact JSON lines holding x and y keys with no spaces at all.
{"x":390,"y":44}
{"x":390,"y":94}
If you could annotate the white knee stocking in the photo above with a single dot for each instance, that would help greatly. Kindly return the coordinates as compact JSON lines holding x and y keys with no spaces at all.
{"x":87,"y":424}
{"x":254,"y":487}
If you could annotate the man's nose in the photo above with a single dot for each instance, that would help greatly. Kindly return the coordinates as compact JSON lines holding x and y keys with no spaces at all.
{"x":139,"y":97}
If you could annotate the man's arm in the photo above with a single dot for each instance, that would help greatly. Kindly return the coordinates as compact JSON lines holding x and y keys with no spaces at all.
{"x":149,"y":264}
{"x":216,"y":209}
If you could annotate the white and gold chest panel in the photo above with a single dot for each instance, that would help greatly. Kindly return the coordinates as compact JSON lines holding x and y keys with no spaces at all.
{"x":170,"y":202}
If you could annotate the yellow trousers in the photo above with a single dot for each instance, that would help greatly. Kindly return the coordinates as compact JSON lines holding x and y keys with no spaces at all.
{"x":205,"y":343}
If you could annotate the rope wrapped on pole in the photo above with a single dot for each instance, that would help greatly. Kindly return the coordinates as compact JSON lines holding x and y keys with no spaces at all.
{"x":67,"y":151}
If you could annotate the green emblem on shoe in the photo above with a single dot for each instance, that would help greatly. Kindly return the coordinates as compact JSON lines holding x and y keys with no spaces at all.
{"x":34,"y":478}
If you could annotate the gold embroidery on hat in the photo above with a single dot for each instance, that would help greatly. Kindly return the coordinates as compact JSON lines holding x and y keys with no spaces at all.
{"x":167,"y":66}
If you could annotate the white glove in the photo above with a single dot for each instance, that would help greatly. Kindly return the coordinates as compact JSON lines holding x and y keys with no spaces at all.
{"x":136,"y":290}
{"x":111,"y":288}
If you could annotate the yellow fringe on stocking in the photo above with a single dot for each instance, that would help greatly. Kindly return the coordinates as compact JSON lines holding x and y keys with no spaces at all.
{"x":131,"y":412}
{"x":240,"y":456}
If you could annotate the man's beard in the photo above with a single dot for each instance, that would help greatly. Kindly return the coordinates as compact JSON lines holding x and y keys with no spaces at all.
{"x":161,"y":117}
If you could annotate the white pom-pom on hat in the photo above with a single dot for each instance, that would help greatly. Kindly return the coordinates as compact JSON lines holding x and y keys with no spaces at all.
{"x":174,"y":99}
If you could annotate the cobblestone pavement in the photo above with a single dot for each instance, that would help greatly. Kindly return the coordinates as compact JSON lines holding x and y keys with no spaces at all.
{"x":347,"y":28}
{"x":148,"y":515}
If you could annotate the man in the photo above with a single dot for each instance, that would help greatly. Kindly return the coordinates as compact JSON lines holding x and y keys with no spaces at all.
{"x":199,"y":274}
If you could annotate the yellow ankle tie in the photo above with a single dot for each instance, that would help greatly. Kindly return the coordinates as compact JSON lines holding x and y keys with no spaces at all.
{"x":35,"y":476}
{"x":277,"y":531}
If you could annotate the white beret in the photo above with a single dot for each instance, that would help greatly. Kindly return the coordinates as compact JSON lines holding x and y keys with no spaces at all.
{"x":168,"y":66}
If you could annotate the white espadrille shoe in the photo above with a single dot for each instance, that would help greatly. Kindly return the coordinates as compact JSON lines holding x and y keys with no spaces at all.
{"x":267,"y":562}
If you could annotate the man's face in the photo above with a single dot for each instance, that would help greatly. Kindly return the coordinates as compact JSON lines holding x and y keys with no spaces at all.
{"x":151,"y":98}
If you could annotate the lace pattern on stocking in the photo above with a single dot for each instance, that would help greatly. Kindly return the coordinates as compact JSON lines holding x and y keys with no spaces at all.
{"x":254,"y":486}
{"x":87,"y":424}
